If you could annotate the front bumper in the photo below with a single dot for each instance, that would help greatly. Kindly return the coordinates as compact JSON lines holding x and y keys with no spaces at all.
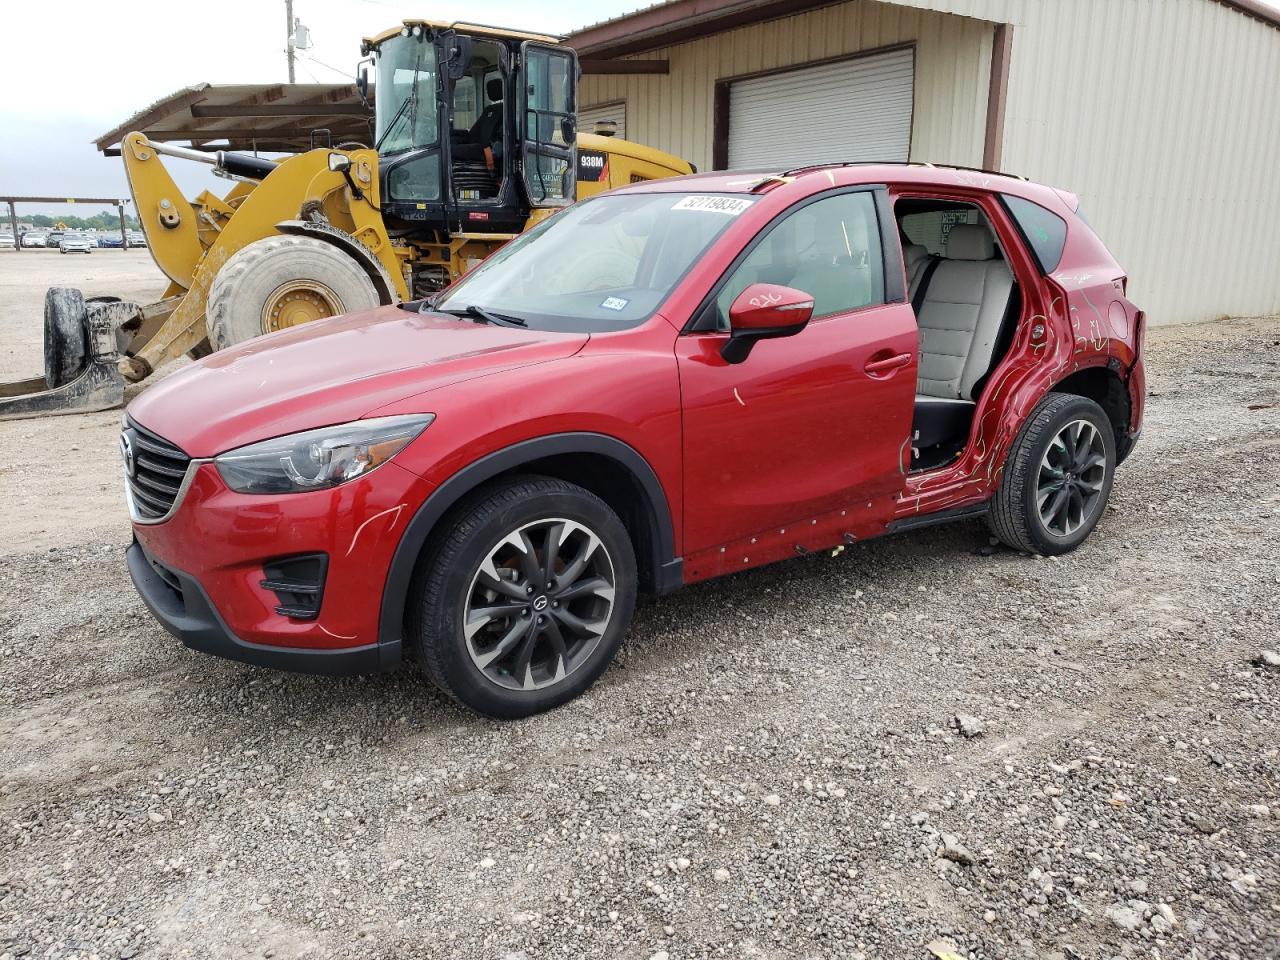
{"x":178,"y":601}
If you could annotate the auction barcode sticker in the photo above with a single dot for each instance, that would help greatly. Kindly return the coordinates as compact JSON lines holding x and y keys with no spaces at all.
{"x":731,"y":206}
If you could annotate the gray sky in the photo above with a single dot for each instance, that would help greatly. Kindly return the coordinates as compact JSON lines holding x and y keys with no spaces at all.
{"x":90,"y":64}
{"x":87,"y":65}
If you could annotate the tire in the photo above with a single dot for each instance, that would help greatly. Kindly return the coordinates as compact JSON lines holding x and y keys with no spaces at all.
{"x":200,"y":350}
{"x":1074,"y":490}
{"x":451,"y":585}
{"x":251,"y":294}
{"x":66,"y":335}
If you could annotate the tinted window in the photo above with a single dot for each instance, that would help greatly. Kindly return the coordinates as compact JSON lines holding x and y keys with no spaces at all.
{"x":829,"y":249}
{"x":1043,"y":229}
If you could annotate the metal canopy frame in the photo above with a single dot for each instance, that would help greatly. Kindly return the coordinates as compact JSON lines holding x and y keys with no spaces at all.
{"x":13,"y":214}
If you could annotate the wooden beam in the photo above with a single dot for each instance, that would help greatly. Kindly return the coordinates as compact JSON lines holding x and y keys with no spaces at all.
{"x":624,"y":66}
{"x":281,"y":110}
{"x":250,"y":133}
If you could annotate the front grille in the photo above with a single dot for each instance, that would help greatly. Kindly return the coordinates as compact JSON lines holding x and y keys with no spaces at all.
{"x":154,"y":470}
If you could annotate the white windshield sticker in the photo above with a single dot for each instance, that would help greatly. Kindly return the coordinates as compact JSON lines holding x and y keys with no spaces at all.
{"x":731,"y":206}
{"x":614,"y":303}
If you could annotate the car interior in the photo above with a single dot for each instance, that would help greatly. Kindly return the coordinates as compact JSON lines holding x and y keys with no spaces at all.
{"x":477,"y":127}
{"x":967,"y":305}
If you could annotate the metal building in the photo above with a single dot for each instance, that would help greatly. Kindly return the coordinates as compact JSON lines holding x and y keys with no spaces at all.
{"x":1163,"y":115}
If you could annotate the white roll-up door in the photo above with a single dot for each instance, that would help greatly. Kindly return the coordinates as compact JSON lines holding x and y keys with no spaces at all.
{"x":853,"y":110}
{"x":617,"y":112}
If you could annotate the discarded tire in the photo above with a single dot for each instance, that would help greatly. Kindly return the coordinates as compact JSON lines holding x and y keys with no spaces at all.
{"x":66,"y":335}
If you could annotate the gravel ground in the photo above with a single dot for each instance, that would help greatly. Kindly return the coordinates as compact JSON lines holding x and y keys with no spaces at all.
{"x":919,"y":742}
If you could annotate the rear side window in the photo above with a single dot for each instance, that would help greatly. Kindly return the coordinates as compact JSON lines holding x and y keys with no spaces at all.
{"x":1043,"y":229}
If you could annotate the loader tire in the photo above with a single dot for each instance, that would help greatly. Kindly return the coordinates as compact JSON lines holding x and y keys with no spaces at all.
{"x":66,"y":335}
{"x":280,"y":282}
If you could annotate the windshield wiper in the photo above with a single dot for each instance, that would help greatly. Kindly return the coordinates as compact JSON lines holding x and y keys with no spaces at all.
{"x":481,"y":315}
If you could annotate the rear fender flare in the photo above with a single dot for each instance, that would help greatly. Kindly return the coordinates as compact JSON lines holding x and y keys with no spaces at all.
{"x":667,"y":567}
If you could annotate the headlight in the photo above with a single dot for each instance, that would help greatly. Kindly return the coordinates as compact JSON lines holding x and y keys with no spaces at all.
{"x":318,"y":459}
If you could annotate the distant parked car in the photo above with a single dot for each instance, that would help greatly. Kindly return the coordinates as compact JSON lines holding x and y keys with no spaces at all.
{"x":111,"y":240}
{"x":75,"y":243}
{"x":7,"y":241}
{"x":137,"y":240}
{"x":54,"y":238}
{"x":33,"y":240}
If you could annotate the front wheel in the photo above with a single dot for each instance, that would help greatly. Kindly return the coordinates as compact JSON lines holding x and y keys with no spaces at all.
{"x":525,"y":601}
{"x":1057,"y":477}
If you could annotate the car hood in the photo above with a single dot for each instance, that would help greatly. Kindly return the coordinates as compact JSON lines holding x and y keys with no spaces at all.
{"x":331,"y":371}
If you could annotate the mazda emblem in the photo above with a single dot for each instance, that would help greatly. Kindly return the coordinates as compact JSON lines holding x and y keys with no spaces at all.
{"x":126,"y":451}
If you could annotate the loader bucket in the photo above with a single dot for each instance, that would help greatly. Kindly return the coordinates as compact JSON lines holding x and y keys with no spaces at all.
{"x":81,"y":352}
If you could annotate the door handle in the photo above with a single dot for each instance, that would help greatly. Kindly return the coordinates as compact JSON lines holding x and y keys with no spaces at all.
{"x":882,"y":365}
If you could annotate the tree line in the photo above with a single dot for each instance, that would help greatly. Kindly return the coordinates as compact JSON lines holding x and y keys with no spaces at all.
{"x":106,"y":220}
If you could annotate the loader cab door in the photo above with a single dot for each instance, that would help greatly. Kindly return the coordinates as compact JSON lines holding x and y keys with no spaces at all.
{"x":483,"y":195}
{"x":548,"y":123}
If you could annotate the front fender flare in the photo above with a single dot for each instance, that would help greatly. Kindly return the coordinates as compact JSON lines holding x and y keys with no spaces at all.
{"x":668,"y":569}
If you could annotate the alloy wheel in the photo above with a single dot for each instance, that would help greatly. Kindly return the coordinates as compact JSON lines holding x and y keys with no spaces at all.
{"x":1073,"y":472}
{"x":539,"y":603}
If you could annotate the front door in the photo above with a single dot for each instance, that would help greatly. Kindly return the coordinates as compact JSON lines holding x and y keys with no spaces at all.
{"x":815,"y":422}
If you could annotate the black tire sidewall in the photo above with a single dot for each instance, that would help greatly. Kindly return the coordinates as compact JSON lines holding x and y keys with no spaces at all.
{"x":453,"y":567}
{"x":1080,"y":408}
{"x":66,"y":335}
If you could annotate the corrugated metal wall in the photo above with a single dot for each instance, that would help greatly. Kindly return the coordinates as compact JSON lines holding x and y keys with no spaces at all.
{"x":1163,"y":115}
{"x":953,"y":66}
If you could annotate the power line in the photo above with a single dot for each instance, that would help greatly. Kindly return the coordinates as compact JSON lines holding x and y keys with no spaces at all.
{"x":321,"y":63}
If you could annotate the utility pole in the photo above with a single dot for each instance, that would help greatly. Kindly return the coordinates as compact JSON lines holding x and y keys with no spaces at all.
{"x":288,"y":16}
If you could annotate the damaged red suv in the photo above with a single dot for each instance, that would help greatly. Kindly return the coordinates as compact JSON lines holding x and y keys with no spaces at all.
{"x":658,"y":385}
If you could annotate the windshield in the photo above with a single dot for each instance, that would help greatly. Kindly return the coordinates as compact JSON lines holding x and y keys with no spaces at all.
{"x":405,"y":94}
{"x":603,"y":264}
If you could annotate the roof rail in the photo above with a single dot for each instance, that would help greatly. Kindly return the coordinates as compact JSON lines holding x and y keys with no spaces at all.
{"x":795,"y":171}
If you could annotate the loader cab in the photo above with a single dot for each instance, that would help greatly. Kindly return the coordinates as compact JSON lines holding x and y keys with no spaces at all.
{"x":475,"y":129}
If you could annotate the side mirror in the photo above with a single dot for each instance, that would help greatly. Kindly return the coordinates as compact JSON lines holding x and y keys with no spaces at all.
{"x":362,"y":83}
{"x":764,"y":311}
{"x":569,"y":129}
{"x":339,"y":163}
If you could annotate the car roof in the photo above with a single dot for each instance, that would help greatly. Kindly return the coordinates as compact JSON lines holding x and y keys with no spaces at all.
{"x":821,"y":176}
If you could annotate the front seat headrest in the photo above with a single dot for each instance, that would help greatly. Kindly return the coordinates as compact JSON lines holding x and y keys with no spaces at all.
{"x":494,"y":88}
{"x":970,"y":241}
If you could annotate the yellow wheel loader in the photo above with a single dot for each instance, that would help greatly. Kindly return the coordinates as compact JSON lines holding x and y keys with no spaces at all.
{"x":474,"y":139}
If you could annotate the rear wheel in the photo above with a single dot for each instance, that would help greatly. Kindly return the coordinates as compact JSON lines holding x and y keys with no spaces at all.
{"x":280,"y":282}
{"x":66,"y":335}
{"x":526,"y":600}
{"x":1057,"y":477}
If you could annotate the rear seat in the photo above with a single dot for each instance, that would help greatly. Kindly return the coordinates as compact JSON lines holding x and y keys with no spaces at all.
{"x":963,"y":307}
{"x":914,"y":257}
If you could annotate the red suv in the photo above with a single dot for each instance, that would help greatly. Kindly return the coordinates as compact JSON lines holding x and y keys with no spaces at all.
{"x":658,"y":385}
